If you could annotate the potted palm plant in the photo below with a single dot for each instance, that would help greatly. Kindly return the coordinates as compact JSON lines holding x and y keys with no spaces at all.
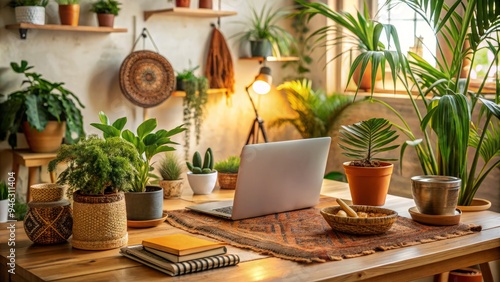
{"x":266,"y":37}
{"x":447,"y":95}
{"x":171,"y":168}
{"x":201,"y":175}
{"x":43,"y":109}
{"x":368,"y":175}
{"x":30,"y":11}
{"x":227,"y":172}
{"x":97,"y":174}
{"x":144,"y":201}
{"x":69,"y":12}
{"x":106,"y":11}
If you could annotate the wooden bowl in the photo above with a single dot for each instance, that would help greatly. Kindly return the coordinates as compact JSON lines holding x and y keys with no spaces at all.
{"x":360,"y":225}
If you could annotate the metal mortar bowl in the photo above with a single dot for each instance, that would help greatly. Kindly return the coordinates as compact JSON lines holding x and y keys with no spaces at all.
{"x":435,"y":194}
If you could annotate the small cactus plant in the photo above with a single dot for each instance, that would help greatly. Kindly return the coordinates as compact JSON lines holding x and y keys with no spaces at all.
{"x":197,"y":167}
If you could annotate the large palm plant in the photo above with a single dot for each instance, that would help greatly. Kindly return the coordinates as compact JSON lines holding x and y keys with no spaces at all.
{"x":315,"y":111}
{"x":448,"y":97}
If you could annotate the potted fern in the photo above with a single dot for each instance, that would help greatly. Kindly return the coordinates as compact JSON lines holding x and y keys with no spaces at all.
{"x":43,"y":110}
{"x":368,"y":176}
{"x":201,"y":175}
{"x":97,"y":173}
{"x":144,"y":201}
{"x":227,"y":172}
{"x":106,"y":11}
{"x":170,"y":168}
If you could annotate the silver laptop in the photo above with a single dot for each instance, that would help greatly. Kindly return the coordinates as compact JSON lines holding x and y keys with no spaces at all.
{"x":275,"y":177}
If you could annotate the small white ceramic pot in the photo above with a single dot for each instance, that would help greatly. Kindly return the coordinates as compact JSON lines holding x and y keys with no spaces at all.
{"x":202,"y":184}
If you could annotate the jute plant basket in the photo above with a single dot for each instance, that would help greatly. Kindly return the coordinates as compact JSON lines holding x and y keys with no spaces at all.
{"x":46,"y":192}
{"x":99,"y":222}
{"x":227,"y":180}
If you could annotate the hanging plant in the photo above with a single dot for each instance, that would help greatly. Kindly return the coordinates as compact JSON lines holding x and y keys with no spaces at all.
{"x":194,"y":107}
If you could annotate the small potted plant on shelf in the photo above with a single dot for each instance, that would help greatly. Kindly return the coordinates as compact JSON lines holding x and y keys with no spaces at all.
{"x":368,"y":176}
{"x":30,"y":11}
{"x":44,"y":110}
{"x":202,"y":176}
{"x":227,"y":172}
{"x":144,"y":201}
{"x":171,"y":168}
{"x":69,"y":12}
{"x":97,"y":174}
{"x":106,"y":11}
{"x":266,"y":37}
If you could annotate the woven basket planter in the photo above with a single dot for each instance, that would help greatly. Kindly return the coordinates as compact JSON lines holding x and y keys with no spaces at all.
{"x":30,"y":14}
{"x":48,"y":223}
{"x":100,"y":222}
{"x":227,"y":180}
{"x":172,"y":188}
{"x":46,"y":192}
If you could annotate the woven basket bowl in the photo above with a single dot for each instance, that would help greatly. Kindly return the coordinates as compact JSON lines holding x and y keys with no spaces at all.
{"x":360,"y":225}
{"x":227,"y":180}
{"x":46,"y":192}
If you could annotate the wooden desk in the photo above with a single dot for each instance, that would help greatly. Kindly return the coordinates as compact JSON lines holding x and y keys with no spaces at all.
{"x":63,"y":263}
{"x":33,"y":161}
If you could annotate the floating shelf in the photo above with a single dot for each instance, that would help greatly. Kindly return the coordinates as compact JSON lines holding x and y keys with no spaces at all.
{"x":187,"y":12}
{"x":23,"y":28}
{"x":271,"y":59}
{"x":210,"y":91}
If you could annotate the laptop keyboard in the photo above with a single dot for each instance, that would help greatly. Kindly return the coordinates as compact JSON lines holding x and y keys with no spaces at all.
{"x":225,"y":210}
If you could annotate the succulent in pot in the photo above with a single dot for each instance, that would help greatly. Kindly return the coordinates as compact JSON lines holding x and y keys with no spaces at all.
{"x":368,"y":175}
{"x":202,"y":176}
{"x":170,"y":168}
{"x":147,"y":144}
{"x":40,"y":105}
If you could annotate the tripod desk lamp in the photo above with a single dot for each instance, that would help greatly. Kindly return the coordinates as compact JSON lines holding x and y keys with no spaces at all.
{"x":260,"y":85}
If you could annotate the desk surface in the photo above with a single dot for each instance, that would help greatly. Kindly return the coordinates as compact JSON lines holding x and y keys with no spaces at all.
{"x":63,"y":263}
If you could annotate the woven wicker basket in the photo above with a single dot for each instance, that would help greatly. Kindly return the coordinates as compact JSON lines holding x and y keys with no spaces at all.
{"x":48,"y":222}
{"x":227,"y":180}
{"x":46,"y":192}
{"x":360,"y":225}
{"x":100,"y":222}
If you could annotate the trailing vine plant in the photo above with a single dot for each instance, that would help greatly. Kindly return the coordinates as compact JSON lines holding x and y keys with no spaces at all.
{"x":194,"y":108}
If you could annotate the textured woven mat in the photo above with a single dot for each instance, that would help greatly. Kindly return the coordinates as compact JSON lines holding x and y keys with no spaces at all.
{"x":305,"y":236}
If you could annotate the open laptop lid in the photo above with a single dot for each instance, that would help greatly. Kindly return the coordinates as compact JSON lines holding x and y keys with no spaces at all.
{"x":280,"y":176}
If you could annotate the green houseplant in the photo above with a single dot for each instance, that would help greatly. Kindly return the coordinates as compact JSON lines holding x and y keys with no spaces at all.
{"x":170,"y":168}
{"x":201,"y":175}
{"x":452,"y":143}
{"x":40,"y":104}
{"x":97,"y":173}
{"x":266,"y":37}
{"x":147,"y":144}
{"x":4,"y":201}
{"x":106,"y":11}
{"x":227,"y":172}
{"x":368,"y":175}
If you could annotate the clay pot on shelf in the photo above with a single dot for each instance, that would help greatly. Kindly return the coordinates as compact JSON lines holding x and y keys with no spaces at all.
{"x":47,"y":140}
{"x":106,"y":20}
{"x":205,"y":4}
{"x":69,"y":14}
{"x":183,"y":3}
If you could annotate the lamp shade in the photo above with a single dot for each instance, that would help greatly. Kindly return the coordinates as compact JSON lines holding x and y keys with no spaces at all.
{"x":262,"y":82}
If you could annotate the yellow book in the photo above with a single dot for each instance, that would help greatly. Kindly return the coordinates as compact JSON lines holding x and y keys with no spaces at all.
{"x":180,"y":244}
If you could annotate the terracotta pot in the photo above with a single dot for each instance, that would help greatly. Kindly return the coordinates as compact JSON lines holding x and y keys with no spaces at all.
{"x":106,"y":20}
{"x":182,"y":3}
{"x":476,"y":205}
{"x":99,"y":222}
{"x":465,"y":275}
{"x":368,"y":185}
{"x":366,"y":80}
{"x":205,"y":4}
{"x":69,"y":14}
{"x":172,"y":188}
{"x":48,"y":140}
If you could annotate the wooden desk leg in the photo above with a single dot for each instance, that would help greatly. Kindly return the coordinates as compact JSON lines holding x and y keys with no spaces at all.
{"x":486,"y":272}
{"x":53,"y":177}
{"x":32,"y":179}
{"x":441,"y":277}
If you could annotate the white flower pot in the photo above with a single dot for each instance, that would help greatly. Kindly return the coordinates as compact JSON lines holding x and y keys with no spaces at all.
{"x":30,"y":14}
{"x":202,"y":184}
{"x":4,"y":208}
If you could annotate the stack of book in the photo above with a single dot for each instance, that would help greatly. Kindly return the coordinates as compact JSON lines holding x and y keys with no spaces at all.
{"x":179,"y":254}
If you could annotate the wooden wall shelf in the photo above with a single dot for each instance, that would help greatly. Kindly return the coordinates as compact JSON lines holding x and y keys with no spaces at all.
{"x":187,"y":12}
{"x":210,"y":91}
{"x":271,"y":59}
{"x":23,"y":28}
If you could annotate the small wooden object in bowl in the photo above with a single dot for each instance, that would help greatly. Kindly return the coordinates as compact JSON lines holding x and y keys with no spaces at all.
{"x":377,"y":221}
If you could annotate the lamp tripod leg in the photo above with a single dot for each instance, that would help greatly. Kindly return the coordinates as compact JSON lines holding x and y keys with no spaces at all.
{"x":253,"y":135}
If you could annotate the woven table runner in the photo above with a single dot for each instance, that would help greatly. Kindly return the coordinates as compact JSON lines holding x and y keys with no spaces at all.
{"x":304,"y":235}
